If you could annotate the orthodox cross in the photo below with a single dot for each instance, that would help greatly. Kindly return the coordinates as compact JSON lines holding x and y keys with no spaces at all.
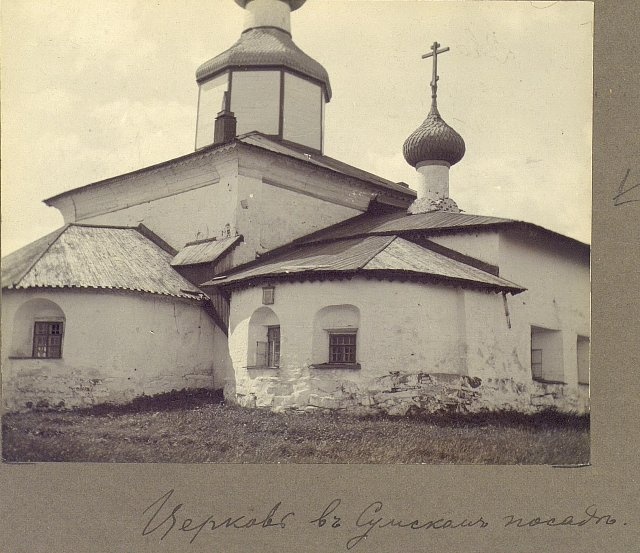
{"x":435,"y":50}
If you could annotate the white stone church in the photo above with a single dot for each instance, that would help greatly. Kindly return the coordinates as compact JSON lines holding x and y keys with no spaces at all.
{"x":288,"y":279}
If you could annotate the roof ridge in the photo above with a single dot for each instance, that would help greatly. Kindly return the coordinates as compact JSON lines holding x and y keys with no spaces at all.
{"x":91,"y":225}
{"x":384,"y":247}
{"x":461,"y":261}
{"x":59,"y":232}
{"x":456,"y":255}
{"x":155,"y":239}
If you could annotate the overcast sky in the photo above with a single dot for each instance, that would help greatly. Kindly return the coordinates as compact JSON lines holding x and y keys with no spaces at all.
{"x":93,"y":89}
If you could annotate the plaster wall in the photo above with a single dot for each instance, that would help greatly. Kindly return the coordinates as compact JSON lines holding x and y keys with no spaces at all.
{"x":557,"y":298}
{"x":185,"y":216}
{"x":264,"y":215}
{"x":419,"y":347}
{"x":484,"y":246}
{"x":418,"y":328}
{"x":116,"y":346}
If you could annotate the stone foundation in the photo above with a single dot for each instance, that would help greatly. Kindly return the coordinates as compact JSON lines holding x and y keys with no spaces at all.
{"x":402,"y":394}
{"x":44,"y":384}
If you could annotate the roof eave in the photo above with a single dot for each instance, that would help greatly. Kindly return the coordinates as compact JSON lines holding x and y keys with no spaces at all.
{"x":211,"y":148}
{"x":401,"y":275}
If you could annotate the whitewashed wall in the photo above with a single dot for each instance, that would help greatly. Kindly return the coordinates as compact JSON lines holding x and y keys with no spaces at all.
{"x":557,"y":296}
{"x":402,"y":327}
{"x":116,"y":346}
{"x":422,"y":346}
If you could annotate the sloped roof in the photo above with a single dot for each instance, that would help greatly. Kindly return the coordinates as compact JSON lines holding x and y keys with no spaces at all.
{"x":400,"y":222}
{"x":256,"y":138}
{"x":431,"y":223}
{"x":266,"y":46}
{"x":92,"y":257}
{"x":388,"y":256}
{"x":252,"y":139}
{"x":204,"y":251}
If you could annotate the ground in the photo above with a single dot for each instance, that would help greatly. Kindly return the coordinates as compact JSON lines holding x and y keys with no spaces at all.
{"x":199,"y":428}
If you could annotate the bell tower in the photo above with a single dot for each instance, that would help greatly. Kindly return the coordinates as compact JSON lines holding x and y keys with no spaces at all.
{"x":273,"y":87}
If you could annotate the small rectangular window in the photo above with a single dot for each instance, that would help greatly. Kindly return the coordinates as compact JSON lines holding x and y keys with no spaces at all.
{"x":47,"y":339}
{"x":273,"y":346}
{"x":342,"y":347}
{"x":268,"y":295}
{"x":268,"y":353}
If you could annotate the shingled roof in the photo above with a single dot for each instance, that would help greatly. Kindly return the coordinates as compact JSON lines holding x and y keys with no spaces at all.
{"x":204,"y":251}
{"x":429,"y":224}
{"x":389,"y":257}
{"x":94,"y":257}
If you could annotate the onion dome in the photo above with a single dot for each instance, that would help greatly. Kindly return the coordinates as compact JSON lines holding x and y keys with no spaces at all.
{"x":434,"y":140}
{"x":266,"y":47}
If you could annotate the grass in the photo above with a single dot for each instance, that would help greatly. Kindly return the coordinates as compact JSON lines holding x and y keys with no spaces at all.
{"x":200,"y":428}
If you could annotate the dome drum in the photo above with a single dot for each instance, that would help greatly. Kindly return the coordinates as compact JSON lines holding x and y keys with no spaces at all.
{"x":270,"y":100}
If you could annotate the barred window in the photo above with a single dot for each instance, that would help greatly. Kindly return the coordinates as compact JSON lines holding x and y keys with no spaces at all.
{"x":47,"y":339}
{"x":268,"y":353}
{"x":342,"y":347}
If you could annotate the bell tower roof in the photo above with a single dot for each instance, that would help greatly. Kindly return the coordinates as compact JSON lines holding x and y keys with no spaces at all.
{"x":266,"y":47}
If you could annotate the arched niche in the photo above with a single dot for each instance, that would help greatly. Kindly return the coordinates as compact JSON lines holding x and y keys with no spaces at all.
{"x":340,"y":320}
{"x":35,"y":310}
{"x":263,"y":341}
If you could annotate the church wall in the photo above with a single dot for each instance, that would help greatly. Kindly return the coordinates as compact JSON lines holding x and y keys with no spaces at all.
{"x":264,"y":215}
{"x":557,"y":299}
{"x":182,"y":202}
{"x":419,"y":348}
{"x":116,"y":346}
{"x":209,"y":209}
{"x":404,"y":328}
{"x":484,"y":246}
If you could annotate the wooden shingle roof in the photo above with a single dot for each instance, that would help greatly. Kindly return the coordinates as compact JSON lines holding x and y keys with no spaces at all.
{"x":266,"y":47}
{"x":204,"y":251}
{"x":389,"y":257}
{"x":95,"y":257}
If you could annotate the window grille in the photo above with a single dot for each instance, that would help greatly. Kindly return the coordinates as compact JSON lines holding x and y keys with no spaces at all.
{"x":273,"y":346}
{"x":342,"y":347}
{"x":47,"y":340}
{"x":268,"y":353}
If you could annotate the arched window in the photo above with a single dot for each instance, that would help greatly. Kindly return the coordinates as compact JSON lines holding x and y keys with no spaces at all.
{"x":38,"y":330}
{"x":335,"y":336}
{"x":263,"y":348}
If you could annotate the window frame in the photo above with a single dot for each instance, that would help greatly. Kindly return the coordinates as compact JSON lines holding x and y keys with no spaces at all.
{"x":273,"y":347}
{"x":352,"y":356}
{"x":268,"y":295}
{"x":268,"y":351}
{"x":52,"y":350}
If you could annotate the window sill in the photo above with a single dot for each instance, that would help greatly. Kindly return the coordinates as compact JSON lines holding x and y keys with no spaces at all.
{"x":348,"y":366}
{"x":35,"y":358}
{"x":545,"y":381}
{"x":266,"y":367}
